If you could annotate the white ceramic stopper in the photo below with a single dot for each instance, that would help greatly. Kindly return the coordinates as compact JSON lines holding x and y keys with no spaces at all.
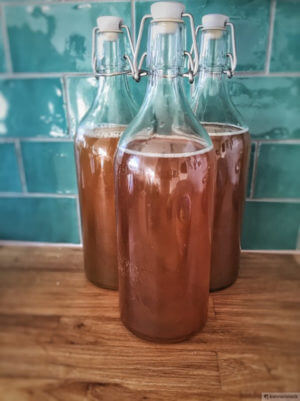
{"x":214,"y":21}
{"x":110,"y":25}
{"x":167,"y":10}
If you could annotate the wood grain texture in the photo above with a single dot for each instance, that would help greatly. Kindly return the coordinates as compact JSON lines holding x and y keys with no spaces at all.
{"x":61,"y":338}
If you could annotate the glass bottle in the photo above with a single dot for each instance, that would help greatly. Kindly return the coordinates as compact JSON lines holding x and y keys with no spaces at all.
{"x":95,"y":145}
{"x":214,"y":108}
{"x":164,"y":176}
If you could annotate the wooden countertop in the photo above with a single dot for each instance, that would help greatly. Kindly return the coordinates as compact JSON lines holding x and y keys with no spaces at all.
{"x":61,"y":339}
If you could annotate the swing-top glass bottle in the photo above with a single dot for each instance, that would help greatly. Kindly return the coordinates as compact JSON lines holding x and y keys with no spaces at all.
{"x":95,"y":145}
{"x":164,"y":175}
{"x":214,"y":109}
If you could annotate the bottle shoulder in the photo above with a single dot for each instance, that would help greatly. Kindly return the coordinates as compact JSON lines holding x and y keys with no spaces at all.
{"x":112,"y":105}
{"x":212,"y":103}
{"x":167,"y":116}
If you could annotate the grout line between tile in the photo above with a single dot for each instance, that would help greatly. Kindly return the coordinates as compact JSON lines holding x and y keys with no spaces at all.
{"x":75,"y":245}
{"x":70,"y":139}
{"x":66,"y":104}
{"x":249,"y":74}
{"x":36,"y":139}
{"x":133,"y":22}
{"x":253,"y":178}
{"x":47,"y":75}
{"x":75,"y":196}
{"x":79,"y":219}
{"x":274,"y":200}
{"x":39,"y":244}
{"x":20,"y":164}
{"x":291,"y":74}
{"x":262,"y":74}
{"x":278,"y":141}
{"x":270,"y":36}
{"x":56,"y":2}
{"x":5,"y":39}
{"x":33,"y":75}
{"x":35,"y":195}
{"x":276,"y":251}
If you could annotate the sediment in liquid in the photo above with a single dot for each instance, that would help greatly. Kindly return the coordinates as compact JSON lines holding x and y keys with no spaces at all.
{"x":164,"y":189}
{"x":95,"y":155}
{"x":232,"y":147}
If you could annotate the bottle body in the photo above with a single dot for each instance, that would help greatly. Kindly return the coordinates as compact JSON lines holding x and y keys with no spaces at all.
{"x":164,"y":233}
{"x":232,"y":147}
{"x":96,"y":142}
{"x":94,"y":152}
{"x":213,"y":107}
{"x":164,"y":177}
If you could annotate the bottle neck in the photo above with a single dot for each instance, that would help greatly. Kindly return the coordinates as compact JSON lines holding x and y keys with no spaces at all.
{"x":164,"y":62}
{"x":109,"y":53}
{"x":214,"y":48}
{"x":110,"y":63}
{"x":211,"y":80}
{"x":165,"y":94}
{"x":113,"y":102}
{"x":211,"y":101}
{"x":165,"y":49}
{"x":165,"y":107}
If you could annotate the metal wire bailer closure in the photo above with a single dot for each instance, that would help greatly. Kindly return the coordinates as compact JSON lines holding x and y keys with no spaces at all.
{"x":97,"y":30}
{"x":193,"y":65}
{"x":220,"y":22}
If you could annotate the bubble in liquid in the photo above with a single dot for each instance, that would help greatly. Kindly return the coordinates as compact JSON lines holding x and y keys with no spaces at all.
{"x":238,"y":167}
{"x":183,"y":168}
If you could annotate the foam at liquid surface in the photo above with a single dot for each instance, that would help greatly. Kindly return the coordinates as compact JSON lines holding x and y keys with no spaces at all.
{"x":166,"y":146}
{"x":219,"y":129}
{"x":106,"y":132}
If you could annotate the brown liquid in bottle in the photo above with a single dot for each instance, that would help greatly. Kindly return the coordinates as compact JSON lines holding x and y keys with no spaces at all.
{"x":164,"y":216}
{"x":95,"y":156}
{"x":232,"y":147}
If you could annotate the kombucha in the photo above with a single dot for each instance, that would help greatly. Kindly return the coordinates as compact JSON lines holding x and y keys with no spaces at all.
{"x":232,"y":147}
{"x":164,"y":193}
{"x":95,"y":154}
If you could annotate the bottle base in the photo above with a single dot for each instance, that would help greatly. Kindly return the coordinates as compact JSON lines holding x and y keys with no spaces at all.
{"x":102,"y":285}
{"x":163,"y":340}
{"x":222,"y":287}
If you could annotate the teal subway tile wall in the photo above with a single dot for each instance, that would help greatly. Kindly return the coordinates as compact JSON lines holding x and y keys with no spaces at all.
{"x":9,"y":170}
{"x":32,"y":108}
{"x":59,"y":35}
{"x":286,"y":51}
{"x":58,"y":158}
{"x":46,"y":86}
{"x":36,"y":218}
{"x":2,"y":56}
